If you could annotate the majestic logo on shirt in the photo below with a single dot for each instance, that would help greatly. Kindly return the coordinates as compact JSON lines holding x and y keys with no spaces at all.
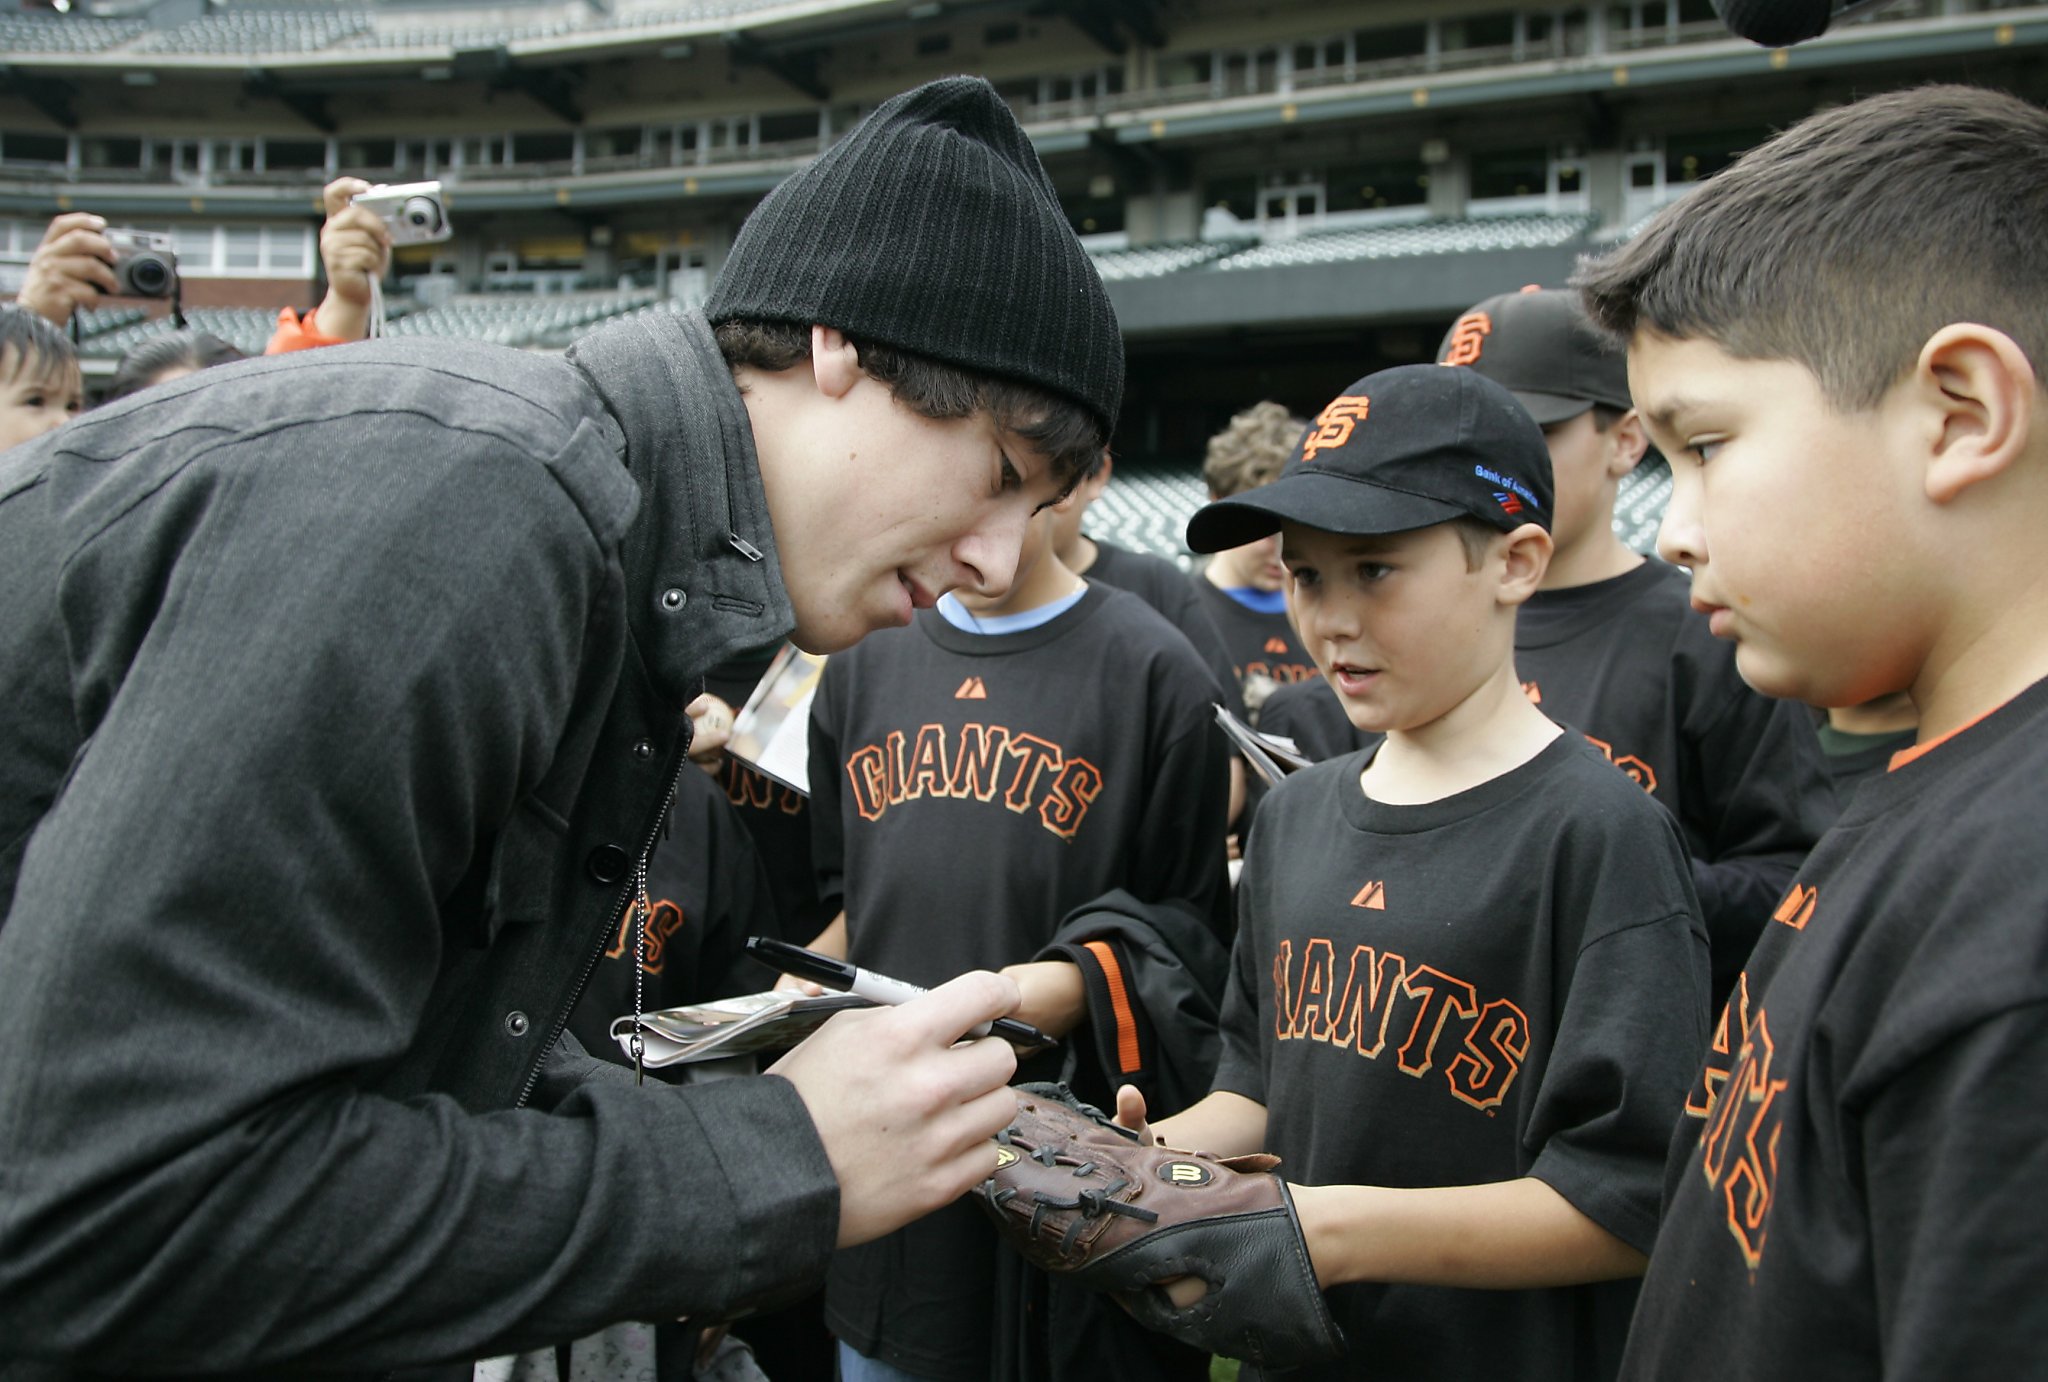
{"x":1277,"y":646}
{"x":1385,"y":998}
{"x":1030,"y":773}
{"x":1333,"y":425}
{"x":1468,"y":339}
{"x":663,"y":921}
{"x":1797,"y":908}
{"x":971,"y":689}
{"x":1372,"y":897}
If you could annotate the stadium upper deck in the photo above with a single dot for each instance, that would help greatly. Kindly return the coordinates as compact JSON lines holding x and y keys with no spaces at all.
{"x":1281,"y":196}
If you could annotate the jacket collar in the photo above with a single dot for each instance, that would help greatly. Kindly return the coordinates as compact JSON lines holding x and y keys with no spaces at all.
{"x":702,"y":580}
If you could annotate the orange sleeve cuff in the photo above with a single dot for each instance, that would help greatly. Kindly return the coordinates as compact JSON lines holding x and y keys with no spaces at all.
{"x":295,"y":332}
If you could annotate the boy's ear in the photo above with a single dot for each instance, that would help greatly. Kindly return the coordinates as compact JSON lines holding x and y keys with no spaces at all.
{"x":1626,"y":444}
{"x":1980,"y":394}
{"x":835,"y":364}
{"x":1525,"y":556}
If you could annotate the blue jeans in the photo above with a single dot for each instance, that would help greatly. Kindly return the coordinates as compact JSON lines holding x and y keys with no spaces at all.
{"x":855,"y":1366}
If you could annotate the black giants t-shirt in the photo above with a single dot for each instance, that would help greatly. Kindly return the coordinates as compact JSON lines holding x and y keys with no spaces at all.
{"x":1263,"y":648}
{"x":968,"y":790}
{"x":1509,"y":982}
{"x":1858,"y":1190}
{"x":1630,"y":664}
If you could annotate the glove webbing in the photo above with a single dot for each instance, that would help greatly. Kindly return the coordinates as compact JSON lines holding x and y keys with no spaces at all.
{"x":1092,"y":1204}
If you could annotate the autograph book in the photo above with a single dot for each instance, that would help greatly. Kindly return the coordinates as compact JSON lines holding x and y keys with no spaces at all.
{"x":731,"y":1026}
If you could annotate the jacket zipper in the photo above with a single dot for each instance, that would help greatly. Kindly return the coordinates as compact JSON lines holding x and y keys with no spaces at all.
{"x":633,"y":885}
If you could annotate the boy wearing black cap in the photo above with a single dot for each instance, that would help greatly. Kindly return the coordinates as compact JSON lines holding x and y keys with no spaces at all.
{"x":1841,"y":342}
{"x":1470,"y":974}
{"x":1610,"y":645}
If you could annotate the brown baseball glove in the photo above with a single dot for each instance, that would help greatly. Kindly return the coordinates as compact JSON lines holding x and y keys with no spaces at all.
{"x":1080,"y":1196}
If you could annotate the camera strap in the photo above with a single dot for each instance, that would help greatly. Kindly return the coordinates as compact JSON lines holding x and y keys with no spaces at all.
{"x":376,"y":323}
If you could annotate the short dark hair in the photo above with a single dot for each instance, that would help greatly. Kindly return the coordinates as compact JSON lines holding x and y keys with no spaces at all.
{"x":1475,"y":536}
{"x":180,"y":350}
{"x":39,"y":347}
{"x":1064,"y":430}
{"x":1846,"y":241}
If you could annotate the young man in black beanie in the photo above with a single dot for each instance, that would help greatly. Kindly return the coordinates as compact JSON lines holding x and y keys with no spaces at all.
{"x":405,"y":631}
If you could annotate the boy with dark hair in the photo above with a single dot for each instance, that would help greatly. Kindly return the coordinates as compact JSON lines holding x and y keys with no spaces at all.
{"x":1470,"y":974}
{"x":1838,"y":342}
{"x":998,"y":766}
{"x":1241,"y":587}
{"x":40,"y":386}
{"x":406,"y":630}
{"x":1610,"y":647}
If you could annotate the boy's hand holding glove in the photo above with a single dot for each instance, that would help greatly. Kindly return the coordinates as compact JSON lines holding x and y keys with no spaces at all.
{"x":1078,"y":1195}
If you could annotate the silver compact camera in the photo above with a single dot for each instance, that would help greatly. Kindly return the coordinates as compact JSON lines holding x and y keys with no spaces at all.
{"x":145,"y":265}
{"x":412,"y":211}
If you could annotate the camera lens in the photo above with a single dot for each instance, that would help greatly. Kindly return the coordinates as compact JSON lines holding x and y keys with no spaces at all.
{"x":149,"y":275}
{"x":420,"y":213}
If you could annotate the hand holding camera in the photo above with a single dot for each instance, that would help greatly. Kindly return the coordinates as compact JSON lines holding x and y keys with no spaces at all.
{"x":71,"y":268}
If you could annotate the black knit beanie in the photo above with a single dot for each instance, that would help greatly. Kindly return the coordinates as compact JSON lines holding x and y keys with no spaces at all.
{"x":932,"y":227}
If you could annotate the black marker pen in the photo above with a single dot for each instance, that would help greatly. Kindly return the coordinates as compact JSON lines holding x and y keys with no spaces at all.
{"x":879,"y":988}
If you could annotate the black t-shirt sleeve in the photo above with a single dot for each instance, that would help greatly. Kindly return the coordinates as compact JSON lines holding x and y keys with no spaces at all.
{"x":1631,"y":1038}
{"x":1242,"y":1069}
{"x":1180,"y":838}
{"x":1954,"y":1158}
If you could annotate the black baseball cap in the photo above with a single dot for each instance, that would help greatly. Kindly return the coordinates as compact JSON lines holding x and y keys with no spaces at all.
{"x":1406,"y":448}
{"x":1540,"y":346}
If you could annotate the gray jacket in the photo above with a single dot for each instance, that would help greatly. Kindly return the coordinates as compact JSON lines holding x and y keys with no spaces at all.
{"x":343,"y":689}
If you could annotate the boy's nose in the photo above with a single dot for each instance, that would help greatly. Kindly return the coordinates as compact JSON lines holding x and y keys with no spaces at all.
{"x":1680,"y":538}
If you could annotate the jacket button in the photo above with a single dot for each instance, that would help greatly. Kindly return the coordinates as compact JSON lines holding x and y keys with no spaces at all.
{"x":607,"y":863}
{"x":674,"y":598}
{"x":643,"y":749}
{"x":515,"y":1024}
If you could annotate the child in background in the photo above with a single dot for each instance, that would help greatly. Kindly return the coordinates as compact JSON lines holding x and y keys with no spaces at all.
{"x":40,"y":386}
{"x":1610,"y":646}
{"x":1241,"y":587}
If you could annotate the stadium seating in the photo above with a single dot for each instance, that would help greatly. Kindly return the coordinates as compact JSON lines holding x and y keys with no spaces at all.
{"x":1464,"y":235}
{"x":257,"y":31}
{"x":1156,"y":261}
{"x":26,"y":34}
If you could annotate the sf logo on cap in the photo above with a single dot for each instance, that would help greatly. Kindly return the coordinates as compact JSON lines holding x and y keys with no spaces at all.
{"x":1468,"y":339}
{"x":1334,"y":424}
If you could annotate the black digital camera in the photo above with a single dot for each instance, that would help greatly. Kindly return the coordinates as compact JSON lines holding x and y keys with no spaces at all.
{"x":145,"y":265}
